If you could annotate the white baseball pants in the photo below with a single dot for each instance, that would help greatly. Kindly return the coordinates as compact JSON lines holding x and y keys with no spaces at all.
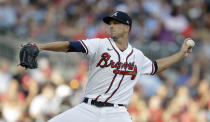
{"x":90,"y":113}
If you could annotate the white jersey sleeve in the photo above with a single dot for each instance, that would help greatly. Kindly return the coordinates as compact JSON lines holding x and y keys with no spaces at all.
{"x":147,"y":67}
{"x":91,"y":46}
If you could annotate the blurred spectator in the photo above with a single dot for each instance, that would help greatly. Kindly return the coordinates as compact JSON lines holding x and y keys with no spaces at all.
{"x":43,"y":73}
{"x":33,"y":90}
{"x":45,"y":104}
{"x":5,"y":75}
{"x":63,"y":92}
{"x":81,"y":75}
{"x":176,"y":21}
{"x":138,"y":108}
{"x":163,"y":35}
{"x":7,"y":16}
{"x":155,"y":109}
{"x":203,"y":92}
{"x":151,"y":24}
{"x":183,"y":76}
{"x":12,"y":103}
{"x":150,"y":84}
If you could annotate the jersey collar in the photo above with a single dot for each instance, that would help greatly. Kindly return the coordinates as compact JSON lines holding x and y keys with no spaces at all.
{"x":125,"y":52}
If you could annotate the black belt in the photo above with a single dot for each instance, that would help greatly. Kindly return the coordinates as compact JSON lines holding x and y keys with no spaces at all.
{"x":100,"y":104}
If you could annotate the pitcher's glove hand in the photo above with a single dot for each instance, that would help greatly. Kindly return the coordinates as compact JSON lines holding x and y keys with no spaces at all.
{"x":28,"y":55}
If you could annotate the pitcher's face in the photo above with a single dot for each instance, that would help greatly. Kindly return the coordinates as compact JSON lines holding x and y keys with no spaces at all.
{"x":118,"y":29}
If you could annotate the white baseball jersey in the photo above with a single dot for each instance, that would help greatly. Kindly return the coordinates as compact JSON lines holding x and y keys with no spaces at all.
{"x":112,"y":72}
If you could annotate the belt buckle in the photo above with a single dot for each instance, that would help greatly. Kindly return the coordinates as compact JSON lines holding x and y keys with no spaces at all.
{"x":93,"y":102}
{"x":100,"y":104}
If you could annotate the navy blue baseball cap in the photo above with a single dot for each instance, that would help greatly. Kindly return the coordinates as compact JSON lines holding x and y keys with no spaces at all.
{"x":119,"y":16}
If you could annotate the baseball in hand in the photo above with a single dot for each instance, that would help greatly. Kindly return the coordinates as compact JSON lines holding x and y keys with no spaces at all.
{"x":190,"y":43}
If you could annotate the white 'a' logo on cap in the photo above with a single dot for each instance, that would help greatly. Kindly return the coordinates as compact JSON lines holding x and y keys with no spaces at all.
{"x":115,"y":14}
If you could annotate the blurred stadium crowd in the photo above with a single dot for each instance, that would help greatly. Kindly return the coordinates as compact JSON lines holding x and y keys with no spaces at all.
{"x":180,"y":94}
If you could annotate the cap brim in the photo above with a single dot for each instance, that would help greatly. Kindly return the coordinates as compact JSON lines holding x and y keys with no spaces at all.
{"x":108,"y":19}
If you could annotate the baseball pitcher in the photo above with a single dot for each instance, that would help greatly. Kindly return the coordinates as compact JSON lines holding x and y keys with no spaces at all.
{"x":114,"y":68}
